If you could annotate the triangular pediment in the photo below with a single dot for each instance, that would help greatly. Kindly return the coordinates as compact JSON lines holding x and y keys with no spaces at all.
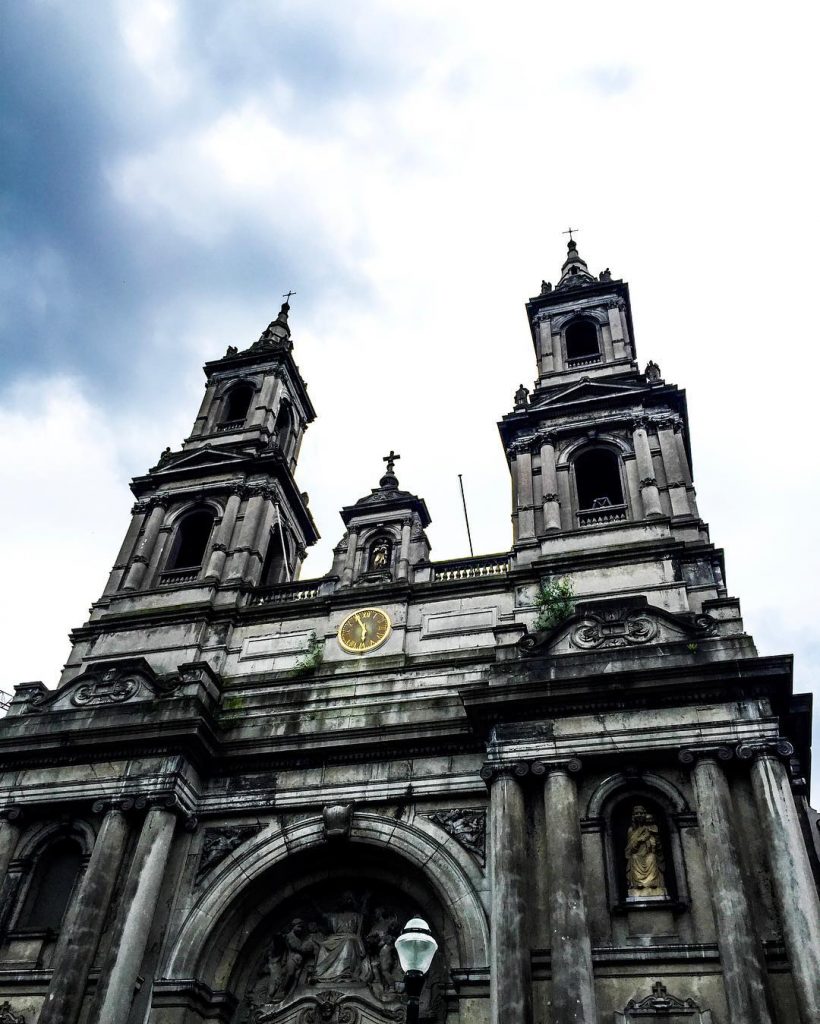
{"x":201,"y":457}
{"x":585,"y":390}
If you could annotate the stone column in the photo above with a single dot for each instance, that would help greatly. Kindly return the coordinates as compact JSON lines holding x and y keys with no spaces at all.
{"x":791,"y":873}
{"x":247,"y":535}
{"x":9,"y":835}
{"x":573,"y":983}
{"x":510,"y":974}
{"x":675,"y":479}
{"x":741,"y":954}
{"x":646,"y":471}
{"x":138,"y":513}
{"x":81,"y":930}
{"x":549,"y":485}
{"x":120,"y":968}
{"x":219,"y":551}
{"x":404,"y":551}
{"x":350,"y":558}
{"x":525,"y":504}
{"x":145,"y":546}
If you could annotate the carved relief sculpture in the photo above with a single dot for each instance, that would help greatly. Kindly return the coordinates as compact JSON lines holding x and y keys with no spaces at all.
{"x":644,"y":857}
{"x":468,"y":827}
{"x":334,"y":960}
{"x":219,"y":843}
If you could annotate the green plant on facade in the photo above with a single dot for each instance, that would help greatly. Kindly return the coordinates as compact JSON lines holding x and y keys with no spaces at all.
{"x":313,"y":656}
{"x":554,"y":603}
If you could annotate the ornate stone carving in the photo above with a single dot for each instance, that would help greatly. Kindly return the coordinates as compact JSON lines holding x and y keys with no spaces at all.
{"x":333,"y":958}
{"x":618,"y":623}
{"x":113,"y":687}
{"x":8,"y":1016}
{"x":614,"y":628}
{"x":467,"y":827}
{"x":652,"y":371}
{"x":219,"y":843}
{"x":644,"y":857}
{"x":550,"y":497}
{"x":649,"y":481}
{"x":665,"y":1006}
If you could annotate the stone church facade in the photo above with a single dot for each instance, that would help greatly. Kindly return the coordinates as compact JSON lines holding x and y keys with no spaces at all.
{"x":567,"y":757}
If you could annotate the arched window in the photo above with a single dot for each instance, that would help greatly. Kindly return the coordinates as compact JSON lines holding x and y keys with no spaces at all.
{"x":55,"y":876}
{"x":236,"y":404}
{"x":582,"y":341}
{"x":276,"y":567}
{"x":598,"y":479}
{"x":283,"y":428}
{"x":191,"y":540}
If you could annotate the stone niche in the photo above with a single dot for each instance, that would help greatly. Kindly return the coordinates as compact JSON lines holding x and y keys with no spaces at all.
{"x":328,"y":954}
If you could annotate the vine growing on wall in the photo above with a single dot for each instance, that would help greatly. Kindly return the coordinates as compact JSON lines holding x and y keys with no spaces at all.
{"x":313,"y":656}
{"x":554,"y":603}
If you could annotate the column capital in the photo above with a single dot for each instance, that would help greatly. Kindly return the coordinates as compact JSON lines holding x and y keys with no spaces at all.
{"x":776,"y":746}
{"x":689,"y":756}
{"x":649,"y":481}
{"x":490,"y":772}
{"x":570,"y":766}
{"x":639,"y":423}
{"x":547,"y":437}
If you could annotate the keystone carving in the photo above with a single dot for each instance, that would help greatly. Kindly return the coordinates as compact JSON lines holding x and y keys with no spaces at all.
{"x":337,"y":820}
{"x":467,"y":827}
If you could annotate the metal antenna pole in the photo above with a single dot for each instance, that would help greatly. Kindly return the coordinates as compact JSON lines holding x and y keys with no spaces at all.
{"x":466,"y":518}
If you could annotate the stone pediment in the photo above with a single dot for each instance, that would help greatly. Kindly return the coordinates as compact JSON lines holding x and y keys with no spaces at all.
{"x":618,"y":623}
{"x":122,"y":681}
{"x":662,"y":1005}
{"x":585,"y":390}
{"x":200,"y":458}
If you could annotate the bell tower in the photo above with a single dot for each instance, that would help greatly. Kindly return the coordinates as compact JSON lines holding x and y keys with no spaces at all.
{"x":599,"y":451}
{"x":223,"y":513}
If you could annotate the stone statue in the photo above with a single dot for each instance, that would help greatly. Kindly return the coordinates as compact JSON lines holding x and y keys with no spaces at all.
{"x":644,"y":856}
{"x":380,"y":554}
{"x":287,"y":958}
{"x":521,"y":396}
{"x":546,"y":287}
{"x":652,"y":371}
{"x":341,"y":955}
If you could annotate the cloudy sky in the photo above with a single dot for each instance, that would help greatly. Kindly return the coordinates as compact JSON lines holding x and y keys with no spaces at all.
{"x":170,"y":168}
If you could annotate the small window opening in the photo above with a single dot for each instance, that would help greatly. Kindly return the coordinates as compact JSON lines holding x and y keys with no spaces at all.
{"x":237,"y":403}
{"x":582,"y":340}
{"x":275,"y":569}
{"x":283,"y":427}
{"x":598,"y":479}
{"x":191,"y":540}
{"x":55,"y":876}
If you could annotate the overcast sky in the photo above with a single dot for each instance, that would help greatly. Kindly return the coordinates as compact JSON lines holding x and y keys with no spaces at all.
{"x":170,"y":168}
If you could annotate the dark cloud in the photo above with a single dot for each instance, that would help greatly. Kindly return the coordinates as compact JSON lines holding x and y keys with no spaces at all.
{"x":83,"y":274}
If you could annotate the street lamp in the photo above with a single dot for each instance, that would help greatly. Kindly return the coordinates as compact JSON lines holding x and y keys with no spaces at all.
{"x":416,"y":948}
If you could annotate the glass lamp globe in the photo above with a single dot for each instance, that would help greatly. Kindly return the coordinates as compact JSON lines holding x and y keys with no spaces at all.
{"x":416,"y":947}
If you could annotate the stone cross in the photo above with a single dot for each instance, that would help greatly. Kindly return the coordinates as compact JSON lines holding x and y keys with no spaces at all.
{"x":390,"y":459}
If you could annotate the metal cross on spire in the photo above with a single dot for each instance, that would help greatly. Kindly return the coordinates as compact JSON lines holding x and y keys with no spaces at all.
{"x":569,"y":232}
{"x":390,"y":459}
{"x":286,"y":296}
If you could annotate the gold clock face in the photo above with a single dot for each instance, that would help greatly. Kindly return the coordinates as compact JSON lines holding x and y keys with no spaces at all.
{"x":364,"y":631}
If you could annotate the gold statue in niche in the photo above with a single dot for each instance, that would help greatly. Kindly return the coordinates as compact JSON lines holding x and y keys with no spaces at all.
{"x":644,"y":856}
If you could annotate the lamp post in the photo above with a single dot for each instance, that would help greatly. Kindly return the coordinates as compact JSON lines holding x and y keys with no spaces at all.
{"x":416,"y":948}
